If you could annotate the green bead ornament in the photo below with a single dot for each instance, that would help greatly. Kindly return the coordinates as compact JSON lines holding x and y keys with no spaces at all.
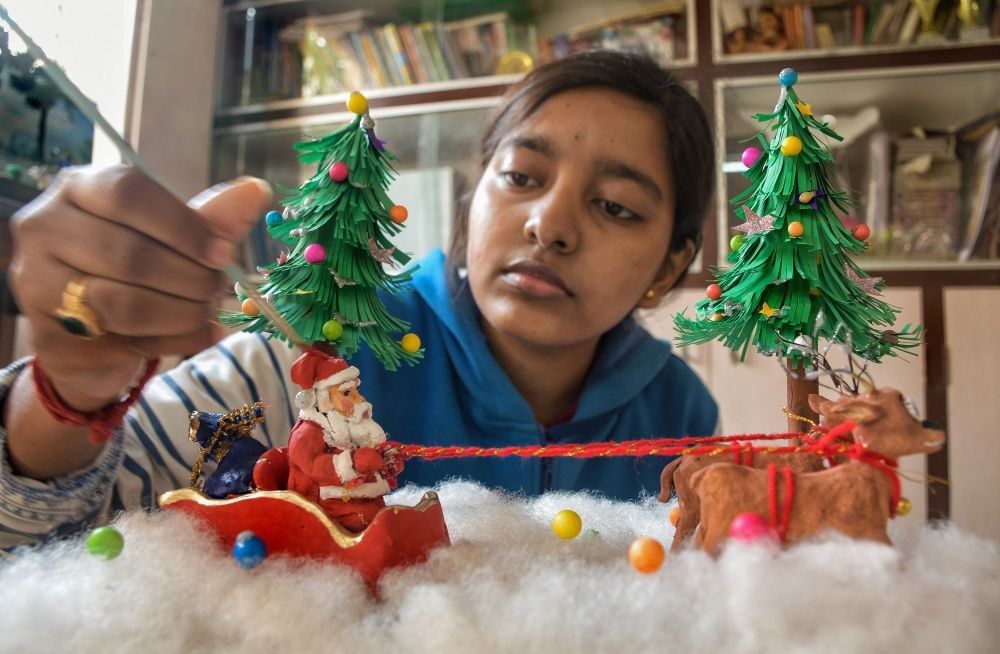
{"x":332,"y":330}
{"x":105,"y":542}
{"x":736,"y":242}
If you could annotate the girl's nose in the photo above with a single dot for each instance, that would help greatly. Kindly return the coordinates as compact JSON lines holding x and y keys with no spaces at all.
{"x":551,"y":223}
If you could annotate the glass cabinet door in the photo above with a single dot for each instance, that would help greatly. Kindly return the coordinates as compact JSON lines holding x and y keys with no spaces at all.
{"x":915,"y":155}
{"x":437,"y":152}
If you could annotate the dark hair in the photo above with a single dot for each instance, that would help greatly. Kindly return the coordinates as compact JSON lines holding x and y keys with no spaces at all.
{"x":689,"y":140}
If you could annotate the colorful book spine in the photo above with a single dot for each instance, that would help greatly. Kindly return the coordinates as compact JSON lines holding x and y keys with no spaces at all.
{"x":413,"y":54}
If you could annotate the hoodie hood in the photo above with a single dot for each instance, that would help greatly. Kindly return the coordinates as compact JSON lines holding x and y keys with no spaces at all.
{"x":628,"y":358}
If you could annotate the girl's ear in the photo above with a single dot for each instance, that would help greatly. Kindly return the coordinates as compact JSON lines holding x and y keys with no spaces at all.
{"x":673,"y":266}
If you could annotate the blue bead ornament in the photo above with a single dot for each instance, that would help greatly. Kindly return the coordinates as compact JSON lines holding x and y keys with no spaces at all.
{"x":249,"y":550}
{"x":273,"y":218}
{"x":788,"y":77}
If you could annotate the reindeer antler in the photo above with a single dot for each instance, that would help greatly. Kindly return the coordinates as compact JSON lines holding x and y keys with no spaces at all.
{"x":845,"y":381}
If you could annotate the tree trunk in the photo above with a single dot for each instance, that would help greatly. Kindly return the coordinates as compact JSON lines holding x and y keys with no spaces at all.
{"x":798,"y":391}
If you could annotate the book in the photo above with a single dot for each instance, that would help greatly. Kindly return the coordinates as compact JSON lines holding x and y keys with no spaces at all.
{"x":429,"y":32}
{"x":386,"y":61}
{"x":425,"y":54}
{"x":908,"y":31}
{"x":362,"y":58}
{"x":455,"y":63}
{"x":391,"y":36}
{"x":978,"y":183}
{"x":858,"y":22}
{"x":824,"y":37}
{"x":372,"y":57}
{"x":808,"y":28}
{"x":413,"y":53}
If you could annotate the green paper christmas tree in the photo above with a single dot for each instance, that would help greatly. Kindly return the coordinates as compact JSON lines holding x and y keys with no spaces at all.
{"x":337,"y":227}
{"x":792,"y":280}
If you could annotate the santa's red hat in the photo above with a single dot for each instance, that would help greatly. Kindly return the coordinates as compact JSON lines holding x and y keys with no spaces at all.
{"x":317,"y":370}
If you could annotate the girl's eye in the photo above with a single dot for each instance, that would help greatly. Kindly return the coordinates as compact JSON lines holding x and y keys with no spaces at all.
{"x":616,"y":210}
{"x":517,"y":179}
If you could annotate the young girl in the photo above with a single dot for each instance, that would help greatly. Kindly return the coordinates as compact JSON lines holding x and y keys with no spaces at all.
{"x":597,"y":173}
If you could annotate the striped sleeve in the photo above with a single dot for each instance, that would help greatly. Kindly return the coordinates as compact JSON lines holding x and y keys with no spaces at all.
{"x":151,"y":453}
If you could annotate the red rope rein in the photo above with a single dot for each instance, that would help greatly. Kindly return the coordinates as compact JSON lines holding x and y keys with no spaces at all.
{"x":772,"y":494}
{"x":738,"y":445}
{"x":829,"y":443}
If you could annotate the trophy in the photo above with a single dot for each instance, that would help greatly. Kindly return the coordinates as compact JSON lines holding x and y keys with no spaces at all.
{"x":927,"y":9}
{"x":970,"y":15}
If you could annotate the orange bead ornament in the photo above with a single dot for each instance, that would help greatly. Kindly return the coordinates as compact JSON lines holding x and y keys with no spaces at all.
{"x":398,"y":214}
{"x":713,"y":292}
{"x":675,"y":515}
{"x":861,"y":232}
{"x":250,"y":308}
{"x":796,"y":229}
{"x":646,"y":555}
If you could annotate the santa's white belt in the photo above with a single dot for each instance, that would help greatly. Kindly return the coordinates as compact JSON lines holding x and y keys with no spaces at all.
{"x":376,"y":488}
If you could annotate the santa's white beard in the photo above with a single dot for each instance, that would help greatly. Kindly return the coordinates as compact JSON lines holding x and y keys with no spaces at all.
{"x":347,"y":432}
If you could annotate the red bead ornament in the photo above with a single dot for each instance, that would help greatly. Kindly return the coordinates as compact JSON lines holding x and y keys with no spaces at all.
{"x":339,"y":171}
{"x":861,"y":232}
{"x":713,"y":292}
{"x":398,"y":214}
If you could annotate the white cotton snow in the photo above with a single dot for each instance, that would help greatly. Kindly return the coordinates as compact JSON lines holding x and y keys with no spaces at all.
{"x":508,"y":584}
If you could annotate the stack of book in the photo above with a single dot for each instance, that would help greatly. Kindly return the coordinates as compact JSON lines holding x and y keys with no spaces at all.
{"x":659,"y":31}
{"x":750,"y":26}
{"x":927,"y":185}
{"x":357,"y":50}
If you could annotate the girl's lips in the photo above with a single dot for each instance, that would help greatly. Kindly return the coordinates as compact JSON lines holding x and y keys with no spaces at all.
{"x":536,"y":280}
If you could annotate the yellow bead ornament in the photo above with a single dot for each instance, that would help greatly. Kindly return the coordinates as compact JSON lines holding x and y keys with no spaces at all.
{"x":567,"y":524}
{"x":807,"y":197}
{"x":796,"y":229}
{"x":903,"y":507}
{"x":791,"y":146}
{"x":357,"y":103}
{"x":410,"y":343}
{"x":804,"y":108}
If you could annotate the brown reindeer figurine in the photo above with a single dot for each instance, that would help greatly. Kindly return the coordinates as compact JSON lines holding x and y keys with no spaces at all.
{"x":853,"y":498}
{"x":678,"y":473}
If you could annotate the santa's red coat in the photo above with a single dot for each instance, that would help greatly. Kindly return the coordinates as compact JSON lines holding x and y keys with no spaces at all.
{"x":310,"y":461}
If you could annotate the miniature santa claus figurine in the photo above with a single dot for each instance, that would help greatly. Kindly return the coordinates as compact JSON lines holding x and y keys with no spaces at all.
{"x":337,"y":454}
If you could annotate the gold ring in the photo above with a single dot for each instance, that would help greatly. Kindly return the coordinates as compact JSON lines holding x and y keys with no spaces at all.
{"x":74,"y":315}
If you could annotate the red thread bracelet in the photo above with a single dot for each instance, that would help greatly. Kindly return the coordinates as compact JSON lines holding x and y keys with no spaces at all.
{"x":102,"y":422}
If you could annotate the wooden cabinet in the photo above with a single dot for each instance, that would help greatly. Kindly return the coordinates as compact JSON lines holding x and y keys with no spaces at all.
{"x":920,"y":83}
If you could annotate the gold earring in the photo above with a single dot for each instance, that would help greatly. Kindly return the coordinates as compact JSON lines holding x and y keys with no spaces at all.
{"x":650,"y":294}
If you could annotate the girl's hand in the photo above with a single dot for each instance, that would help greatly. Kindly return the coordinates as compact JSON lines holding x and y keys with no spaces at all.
{"x":149,"y":266}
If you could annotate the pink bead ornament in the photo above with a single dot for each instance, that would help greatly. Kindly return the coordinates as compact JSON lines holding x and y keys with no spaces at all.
{"x":751,"y":155}
{"x":315,"y":253}
{"x":338,"y":171}
{"x":752,"y":528}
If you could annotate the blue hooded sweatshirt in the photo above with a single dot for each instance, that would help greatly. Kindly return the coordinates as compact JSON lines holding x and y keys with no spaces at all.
{"x":636,"y":388}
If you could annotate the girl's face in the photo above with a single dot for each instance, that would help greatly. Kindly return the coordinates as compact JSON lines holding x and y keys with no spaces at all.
{"x":570,"y":223}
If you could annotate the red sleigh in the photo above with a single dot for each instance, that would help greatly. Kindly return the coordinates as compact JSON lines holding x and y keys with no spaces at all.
{"x":291,"y":525}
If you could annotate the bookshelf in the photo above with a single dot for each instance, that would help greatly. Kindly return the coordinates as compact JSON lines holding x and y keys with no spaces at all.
{"x":939,"y":84}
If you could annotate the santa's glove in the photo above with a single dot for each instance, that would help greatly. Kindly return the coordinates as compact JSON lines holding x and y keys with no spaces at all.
{"x":393,"y":463}
{"x":367,"y":460}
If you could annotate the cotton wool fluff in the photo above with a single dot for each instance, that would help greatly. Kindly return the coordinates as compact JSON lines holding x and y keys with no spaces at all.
{"x":508,"y":584}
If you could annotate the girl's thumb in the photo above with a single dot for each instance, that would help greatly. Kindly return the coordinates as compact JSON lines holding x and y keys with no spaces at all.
{"x":232,"y":208}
